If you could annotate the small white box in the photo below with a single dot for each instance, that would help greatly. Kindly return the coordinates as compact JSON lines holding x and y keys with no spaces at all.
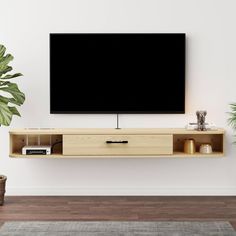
{"x":36,"y":150}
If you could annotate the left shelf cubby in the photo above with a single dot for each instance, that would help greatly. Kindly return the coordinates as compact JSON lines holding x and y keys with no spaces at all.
{"x":18,"y":141}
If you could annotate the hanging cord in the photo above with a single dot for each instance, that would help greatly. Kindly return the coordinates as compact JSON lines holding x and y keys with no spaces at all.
{"x":53,"y":145}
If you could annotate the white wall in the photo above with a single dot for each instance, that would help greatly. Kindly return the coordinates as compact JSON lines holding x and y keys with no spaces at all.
{"x":211,"y":81}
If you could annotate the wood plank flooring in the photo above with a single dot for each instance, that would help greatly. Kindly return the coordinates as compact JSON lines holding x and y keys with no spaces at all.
{"x":120,"y":208}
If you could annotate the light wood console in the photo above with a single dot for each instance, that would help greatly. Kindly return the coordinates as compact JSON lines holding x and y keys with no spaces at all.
{"x":85,"y":143}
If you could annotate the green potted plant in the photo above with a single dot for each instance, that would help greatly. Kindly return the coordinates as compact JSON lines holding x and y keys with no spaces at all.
{"x":10,"y":97}
{"x":232,"y":118}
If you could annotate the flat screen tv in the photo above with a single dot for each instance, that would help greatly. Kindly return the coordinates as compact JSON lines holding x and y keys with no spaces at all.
{"x":117,"y":73}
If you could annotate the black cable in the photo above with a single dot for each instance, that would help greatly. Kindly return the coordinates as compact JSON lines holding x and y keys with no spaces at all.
{"x":53,"y":145}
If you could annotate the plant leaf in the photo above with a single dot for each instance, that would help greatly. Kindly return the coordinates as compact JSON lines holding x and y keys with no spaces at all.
{"x":17,"y":97}
{"x":233,"y":107}
{"x":4,"y":70}
{"x":5,"y":60}
{"x":2,"y":50}
{"x":14,"y":101}
{"x":14,"y":111}
{"x":11,"y":76}
{"x":5,"y":114}
{"x":4,"y":99}
{"x":9,"y":100}
{"x":13,"y":89}
{"x":4,"y":83}
{"x":232,"y":118}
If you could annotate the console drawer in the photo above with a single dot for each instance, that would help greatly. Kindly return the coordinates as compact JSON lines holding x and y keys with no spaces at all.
{"x":124,"y":145}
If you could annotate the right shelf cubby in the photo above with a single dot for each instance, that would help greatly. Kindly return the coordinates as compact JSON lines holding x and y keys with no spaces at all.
{"x":216,"y":140}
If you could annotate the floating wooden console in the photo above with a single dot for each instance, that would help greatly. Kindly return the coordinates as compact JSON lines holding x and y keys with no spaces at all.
{"x":84,"y":143}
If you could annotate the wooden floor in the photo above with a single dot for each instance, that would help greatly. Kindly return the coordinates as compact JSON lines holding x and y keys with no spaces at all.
{"x":120,"y":208}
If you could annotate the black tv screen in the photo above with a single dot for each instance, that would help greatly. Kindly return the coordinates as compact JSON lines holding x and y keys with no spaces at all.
{"x":117,"y":73}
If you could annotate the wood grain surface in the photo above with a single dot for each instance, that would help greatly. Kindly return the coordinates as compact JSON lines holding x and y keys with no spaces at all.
{"x":119,"y":208}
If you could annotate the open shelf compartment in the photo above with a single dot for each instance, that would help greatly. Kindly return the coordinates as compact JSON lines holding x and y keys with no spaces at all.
{"x":216,"y":141}
{"x":21,"y":140}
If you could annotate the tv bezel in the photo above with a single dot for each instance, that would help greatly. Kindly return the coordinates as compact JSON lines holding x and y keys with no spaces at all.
{"x":116,"y":111}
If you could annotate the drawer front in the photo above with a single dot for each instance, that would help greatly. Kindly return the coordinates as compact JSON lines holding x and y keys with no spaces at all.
{"x":126,"y":145}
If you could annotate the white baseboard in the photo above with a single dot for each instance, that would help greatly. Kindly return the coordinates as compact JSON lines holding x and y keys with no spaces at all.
{"x":106,"y":191}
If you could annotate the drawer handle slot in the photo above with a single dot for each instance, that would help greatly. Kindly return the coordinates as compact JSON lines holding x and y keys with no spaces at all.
{"x":121,"y":141}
